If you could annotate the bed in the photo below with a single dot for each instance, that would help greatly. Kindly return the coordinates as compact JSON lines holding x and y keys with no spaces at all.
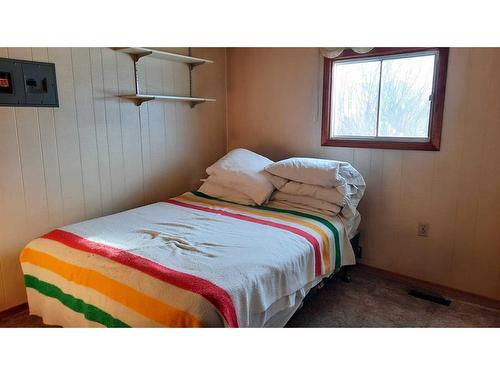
{"x":191,"y":261}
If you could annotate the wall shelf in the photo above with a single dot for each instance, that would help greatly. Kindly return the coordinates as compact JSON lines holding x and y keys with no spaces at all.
{"x":141,"y":98}
{"x":139,"y":52}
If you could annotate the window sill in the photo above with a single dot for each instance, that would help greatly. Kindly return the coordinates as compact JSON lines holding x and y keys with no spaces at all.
{"x":392,"y":145}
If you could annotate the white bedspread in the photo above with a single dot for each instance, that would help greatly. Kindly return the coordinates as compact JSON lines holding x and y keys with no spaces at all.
{"x":257,"y":255}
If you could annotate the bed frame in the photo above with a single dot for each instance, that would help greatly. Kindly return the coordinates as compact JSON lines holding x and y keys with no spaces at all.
{"x":343,"y":273}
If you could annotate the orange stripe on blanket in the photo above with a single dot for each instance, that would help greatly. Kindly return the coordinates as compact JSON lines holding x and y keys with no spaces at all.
{"x":213,"y":293}
{"x":133,"y":299}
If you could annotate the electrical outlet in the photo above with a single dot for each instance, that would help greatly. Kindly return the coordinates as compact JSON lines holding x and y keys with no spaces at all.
{"x":423,"y":230}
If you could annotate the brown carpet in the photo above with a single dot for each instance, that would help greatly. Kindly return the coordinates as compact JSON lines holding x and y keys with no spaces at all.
{"x":367,"y":301}
{"x":372,"y":301}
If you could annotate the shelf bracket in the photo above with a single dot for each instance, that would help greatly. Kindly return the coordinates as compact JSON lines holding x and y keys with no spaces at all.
{"x":138,"y":56}
{"x":193,"y":65}
{"x":139,"y":101}
{"x":192,"y":104}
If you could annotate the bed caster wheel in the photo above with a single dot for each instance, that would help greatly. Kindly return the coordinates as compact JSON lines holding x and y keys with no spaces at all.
{"x":346,"y":277}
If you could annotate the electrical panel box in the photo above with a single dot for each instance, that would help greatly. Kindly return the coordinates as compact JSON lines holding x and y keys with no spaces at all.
{"x":27,"y":84}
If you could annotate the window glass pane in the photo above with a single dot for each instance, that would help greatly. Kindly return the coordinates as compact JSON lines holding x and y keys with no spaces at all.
{"x":355,"y":98}
{"x":404,"y":97}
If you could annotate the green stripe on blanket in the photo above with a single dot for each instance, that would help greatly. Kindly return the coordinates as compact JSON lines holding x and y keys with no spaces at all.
{"x":90,"y":312}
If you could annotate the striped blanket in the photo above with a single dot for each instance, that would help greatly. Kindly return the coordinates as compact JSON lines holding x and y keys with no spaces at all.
{"x":192,"y":261}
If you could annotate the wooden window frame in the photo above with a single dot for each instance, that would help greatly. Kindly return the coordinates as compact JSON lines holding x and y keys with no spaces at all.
{"x":436,"y":116}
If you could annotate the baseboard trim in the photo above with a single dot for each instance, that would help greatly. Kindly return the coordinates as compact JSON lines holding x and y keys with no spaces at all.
{"x":13,"y":310}
{"x":441,"y":289}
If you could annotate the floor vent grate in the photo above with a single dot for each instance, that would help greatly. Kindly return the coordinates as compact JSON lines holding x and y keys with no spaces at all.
{"x":429,"y":297}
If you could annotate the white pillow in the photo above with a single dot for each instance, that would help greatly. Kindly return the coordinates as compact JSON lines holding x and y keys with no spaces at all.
{"x":218,"y":191}
{"x":331,"y":195}
{"x":310,"y":171}
{"x":277,"y":181}
{"x":306,"y":202}
{"x":243,"y":170}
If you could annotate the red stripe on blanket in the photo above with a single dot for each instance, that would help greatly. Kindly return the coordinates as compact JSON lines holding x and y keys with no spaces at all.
{"x":307,"y":236}
{"x":216,"y":295}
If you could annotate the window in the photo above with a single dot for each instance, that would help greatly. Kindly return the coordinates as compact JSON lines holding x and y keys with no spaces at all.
{"x":386,"y":98}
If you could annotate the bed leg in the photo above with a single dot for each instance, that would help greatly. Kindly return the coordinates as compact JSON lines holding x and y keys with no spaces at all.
{"x":345,"y":276}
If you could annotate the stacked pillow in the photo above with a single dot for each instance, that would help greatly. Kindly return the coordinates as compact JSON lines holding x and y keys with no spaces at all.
{"x":217,"y":190}
{"x":239,"y":177}
{"x":329,"y":187}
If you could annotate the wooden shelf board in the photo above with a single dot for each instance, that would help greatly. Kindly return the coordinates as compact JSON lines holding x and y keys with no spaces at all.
{"x":163,"y":55}
{"x":139,"y":99}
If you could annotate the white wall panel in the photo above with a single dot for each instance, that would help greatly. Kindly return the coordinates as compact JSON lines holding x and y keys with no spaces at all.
{"x":97,"y":154}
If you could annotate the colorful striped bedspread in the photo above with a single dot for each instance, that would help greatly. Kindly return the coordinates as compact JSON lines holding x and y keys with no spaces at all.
{"x":192,"y":261}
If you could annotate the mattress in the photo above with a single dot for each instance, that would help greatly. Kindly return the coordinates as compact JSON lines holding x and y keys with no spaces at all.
{"x":191,"y":261}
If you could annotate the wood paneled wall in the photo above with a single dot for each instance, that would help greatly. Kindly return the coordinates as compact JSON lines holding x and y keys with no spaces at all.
{"x":274,"y":108}
{"x":97,"y":154}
